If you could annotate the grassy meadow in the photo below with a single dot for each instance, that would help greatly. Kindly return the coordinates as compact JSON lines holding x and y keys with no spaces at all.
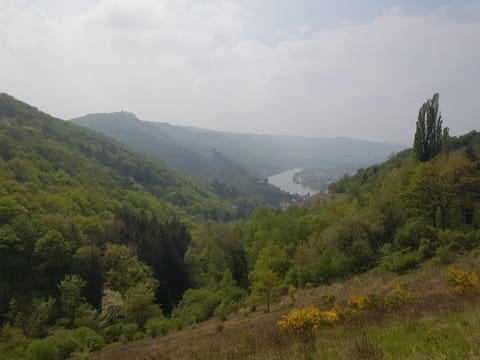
{"x":436,"y":324}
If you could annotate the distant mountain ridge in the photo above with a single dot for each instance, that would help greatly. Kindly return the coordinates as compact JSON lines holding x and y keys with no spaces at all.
{"x":235,"y":158}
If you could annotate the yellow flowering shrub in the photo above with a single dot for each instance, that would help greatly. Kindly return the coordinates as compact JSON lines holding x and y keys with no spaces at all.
{"x":461,"y":281}
{"x":374,"y":301}
{"x":307,"y":319}
{"x":371,"y":301}
{"x":358,"y":302}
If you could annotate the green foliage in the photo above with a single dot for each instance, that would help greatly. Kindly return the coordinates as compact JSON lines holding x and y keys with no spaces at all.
{"x":112,"y":333}
{"x":358,"y":236}
{"x":162,"y":247}
{"x":64,"y":343}
{"x":85,"y":316}
{"x":71,"y":295}
{"x":12,"y":341}
{"x":429,"y":138}
{"x":232,"y":296}
{"x":157,"y":326}
{"x":442,"y":192}
{"x":139,"y":304}
{"x":33,"y":318}
{"x":87,"y":264}
{"x":400,"y":261}
{"x":266,"y":286}
{"x":313,"y":266}
{"x":79,"y":207}
{"x":412,"y":233}
{"x":44,"y":349}
{"x":196,"y":305}
{"x":123,"y":269}
{"x":130,"y":332}
{"x":52,"y":253}
{"x":459,"y":240}
{"x":87,"y":340}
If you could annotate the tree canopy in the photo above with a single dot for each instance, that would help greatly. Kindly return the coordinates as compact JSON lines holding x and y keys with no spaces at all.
{"x":430,"y":139}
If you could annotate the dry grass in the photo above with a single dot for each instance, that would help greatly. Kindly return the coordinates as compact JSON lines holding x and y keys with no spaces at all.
{"x":248,"y":335}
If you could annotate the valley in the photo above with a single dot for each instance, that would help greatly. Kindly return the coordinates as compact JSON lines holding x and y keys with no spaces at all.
{"x":239,"y":160}
{"x":107,"y":252}
{"x":239,"y":180}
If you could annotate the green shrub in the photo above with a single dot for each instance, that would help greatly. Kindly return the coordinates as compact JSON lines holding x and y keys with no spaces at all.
{"x":157,"y":326}
{"x":400,"y":261}
{"x":445,"y":254}
{"x":139,"y":304}
{"x":426,"y":250}
{"x":65,"y":342}
{"x":176,"y":324}
{"x":86,"y":316}
{"x":113,"y":332}
{"x":12,"y":341}
{"x":411,"y":234}
{"x":45,"y":349}
{"x":130,"y":332}
{"x":196,"y":305}
{"x":459,"y":240}
{"x":88,"y":340}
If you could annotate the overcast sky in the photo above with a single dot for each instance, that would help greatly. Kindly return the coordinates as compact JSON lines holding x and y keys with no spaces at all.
{"x":354,"y":68}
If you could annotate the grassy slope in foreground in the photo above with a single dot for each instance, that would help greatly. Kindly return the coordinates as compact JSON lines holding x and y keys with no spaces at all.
{"x":436,"y":325}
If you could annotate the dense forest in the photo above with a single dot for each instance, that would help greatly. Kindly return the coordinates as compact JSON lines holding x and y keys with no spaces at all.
{"x":100,"y":244}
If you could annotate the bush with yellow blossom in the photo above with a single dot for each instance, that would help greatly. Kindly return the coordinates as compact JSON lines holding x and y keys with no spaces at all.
{"x":461,"y":281}
{"x":307,"y":319}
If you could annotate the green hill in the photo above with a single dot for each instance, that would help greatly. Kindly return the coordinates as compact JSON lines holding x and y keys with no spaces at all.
{"x":236,"y":159}
{"x":186,"y":149}
{"x":385,"y":268}
{"x":92,"y":253}
{"x":66,"y":192}
{"x":44,"y":151}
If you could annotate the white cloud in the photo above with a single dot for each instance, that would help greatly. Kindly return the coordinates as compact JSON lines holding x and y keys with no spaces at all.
{"x":192,"y":62}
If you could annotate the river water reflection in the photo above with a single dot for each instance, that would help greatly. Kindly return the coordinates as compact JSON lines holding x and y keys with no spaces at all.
{"x":284,"y":181}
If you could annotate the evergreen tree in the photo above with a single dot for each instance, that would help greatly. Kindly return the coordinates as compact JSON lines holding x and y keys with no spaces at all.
{"x":430,"y":140}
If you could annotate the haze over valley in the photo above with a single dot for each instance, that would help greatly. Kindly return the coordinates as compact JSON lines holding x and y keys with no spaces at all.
{"x":240,"y":160}
{"x":239,"y":179}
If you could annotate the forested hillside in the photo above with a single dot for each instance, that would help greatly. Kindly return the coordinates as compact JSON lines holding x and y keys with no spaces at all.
{"x":237,"y":159}
{"x":405,"y":216}
{"x":93,"y":251}
{"x":190,"y":150}
{"x":81,"y":213}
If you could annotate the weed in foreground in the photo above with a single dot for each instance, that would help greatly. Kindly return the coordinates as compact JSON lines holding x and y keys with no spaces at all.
{"x":363,"y":348}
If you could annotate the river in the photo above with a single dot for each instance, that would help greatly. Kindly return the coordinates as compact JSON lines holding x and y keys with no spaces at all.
{"x":284,"y":181}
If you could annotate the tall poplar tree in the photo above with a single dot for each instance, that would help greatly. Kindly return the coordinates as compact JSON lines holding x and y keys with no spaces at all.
{"x":430,"y":140}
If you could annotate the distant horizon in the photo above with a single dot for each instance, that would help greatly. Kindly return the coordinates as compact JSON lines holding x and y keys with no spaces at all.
{"x":239,"y":132}
{"x":304,"y":68}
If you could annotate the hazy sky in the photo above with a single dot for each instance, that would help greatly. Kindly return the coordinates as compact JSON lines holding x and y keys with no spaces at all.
{"x":354,"y":68}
